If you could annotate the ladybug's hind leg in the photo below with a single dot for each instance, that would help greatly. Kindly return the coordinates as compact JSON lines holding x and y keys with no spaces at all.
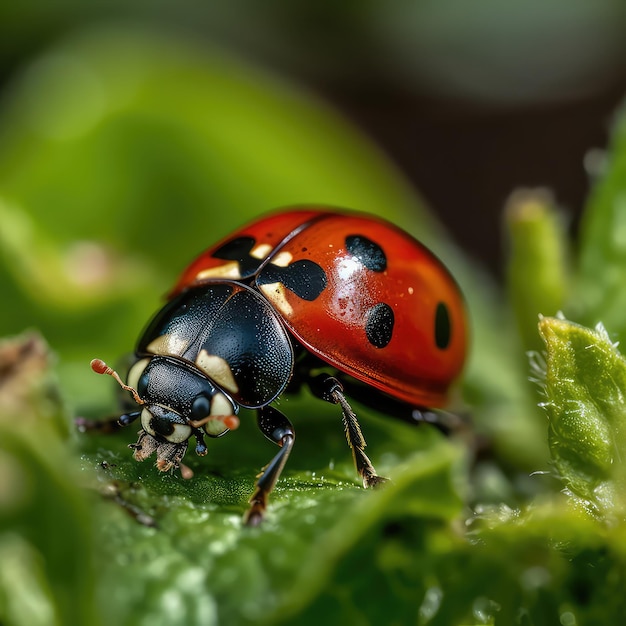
{"x":277,"y":428}
{"x":330,"y":389}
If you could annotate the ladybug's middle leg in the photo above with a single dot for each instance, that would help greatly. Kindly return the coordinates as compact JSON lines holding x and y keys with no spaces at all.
{"x":277,"y":428}
{"x":330,"y":389}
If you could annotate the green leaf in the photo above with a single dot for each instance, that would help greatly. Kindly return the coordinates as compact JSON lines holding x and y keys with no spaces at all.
{"x":545,"y":564}
{"x":202,"y":561}
{"x":585,"y":386}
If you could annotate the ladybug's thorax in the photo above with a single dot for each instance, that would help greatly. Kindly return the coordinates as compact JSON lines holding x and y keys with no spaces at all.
{"x":228,"y":333}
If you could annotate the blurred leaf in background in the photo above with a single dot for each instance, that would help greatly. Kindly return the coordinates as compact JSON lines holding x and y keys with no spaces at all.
{"x":46,"y":533}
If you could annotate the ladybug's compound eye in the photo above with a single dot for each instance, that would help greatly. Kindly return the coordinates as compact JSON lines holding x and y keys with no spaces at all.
{"x":200,"y":408}
{"x":160,"y":422}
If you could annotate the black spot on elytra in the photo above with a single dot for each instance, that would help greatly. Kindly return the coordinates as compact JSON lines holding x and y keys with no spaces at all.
{"x":443,"y":327}
{"x":305,"y":278}
{"x":367,"y":252}
{"x":379,"y":325}
{"x":239,"y":250}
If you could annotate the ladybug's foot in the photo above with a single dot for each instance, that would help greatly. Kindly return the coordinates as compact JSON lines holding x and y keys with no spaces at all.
{"x":258,"y":504}
{"x":366,"y":470}
{"x":374,"y":481}
{"x":201,"y":449}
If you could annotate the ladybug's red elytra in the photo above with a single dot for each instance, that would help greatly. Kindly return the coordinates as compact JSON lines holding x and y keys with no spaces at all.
{"x":294,"y":293}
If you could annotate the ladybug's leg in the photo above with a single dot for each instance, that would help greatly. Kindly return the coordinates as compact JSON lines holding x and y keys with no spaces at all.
{"x":330,"y":389}
{"x":106,"y":426}
{"x":277,"y":428}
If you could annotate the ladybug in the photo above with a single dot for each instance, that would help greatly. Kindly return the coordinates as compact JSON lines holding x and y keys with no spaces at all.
{"x":265,"y":310}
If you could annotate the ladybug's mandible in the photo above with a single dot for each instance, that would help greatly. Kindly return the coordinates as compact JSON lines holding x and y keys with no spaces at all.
{"x":296,"y":292}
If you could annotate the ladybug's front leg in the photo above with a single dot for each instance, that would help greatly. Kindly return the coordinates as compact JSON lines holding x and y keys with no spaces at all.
{"x":277,"y":428}
{"x":330,"y":389}
{"x":106,"y":426}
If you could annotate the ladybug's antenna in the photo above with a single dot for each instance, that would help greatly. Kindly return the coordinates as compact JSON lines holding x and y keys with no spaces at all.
{"x":100,"y":367}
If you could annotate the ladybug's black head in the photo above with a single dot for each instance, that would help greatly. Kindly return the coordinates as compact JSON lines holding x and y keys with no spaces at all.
{"x":178,"y":400}
{"x":161,"y":422}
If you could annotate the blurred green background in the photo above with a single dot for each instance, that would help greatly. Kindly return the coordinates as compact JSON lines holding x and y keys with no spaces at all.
{"x":134,"y":135}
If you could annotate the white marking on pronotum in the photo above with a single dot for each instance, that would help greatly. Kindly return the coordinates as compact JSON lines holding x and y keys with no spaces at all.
{"x":168,"y":345}
{"x":218,"y":370}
